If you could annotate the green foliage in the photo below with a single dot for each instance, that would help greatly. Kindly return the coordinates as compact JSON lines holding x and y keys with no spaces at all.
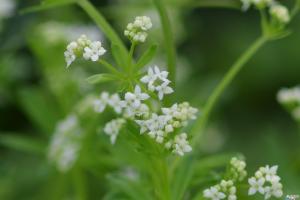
{"x":48,"y":4}
{"x":146,"y":57}
{"x":23,"y":143}
{"x":101,"y":78}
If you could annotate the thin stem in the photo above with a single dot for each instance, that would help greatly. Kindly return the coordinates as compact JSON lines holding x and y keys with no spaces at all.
{"x":130,"y":56}
{"x":109,"y":67}
{"x":168,"y":38}
{"x":102,"y":24}
{"x":295,"y":9}
{"x":197,"y":130}
{"x":79,"y":184}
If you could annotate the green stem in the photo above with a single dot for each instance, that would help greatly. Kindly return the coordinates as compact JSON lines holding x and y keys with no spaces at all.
{"x":109,"y":67}
{"x":79,"y":184}
{"x":130,"y":56}
{"x":197,"y":130}
{"x":102,"y":24}
{"x":168,"y":38}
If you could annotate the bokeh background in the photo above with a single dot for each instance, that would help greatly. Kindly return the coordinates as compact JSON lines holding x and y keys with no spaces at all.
{"x":36,"y":91}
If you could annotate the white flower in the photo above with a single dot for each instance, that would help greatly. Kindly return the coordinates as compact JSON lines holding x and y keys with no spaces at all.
{"x":163,"y":89}
{"x":83,"y":41}
{"x":238,"y":168}
{"x":280,"y":13}
{"x":214,"y":194}
{"x":256,"y":185}
{"x":89,"y":50}
{"x":65,"y":144}
{"x":134,"y":99}
{"x":270,"y":172}
{"x":150,"y":78}
{"x":141,"y":110}
{"x":143,"y":22}
{"x":289,"y":95}
{"x":267,"y":182}
{"x":181,"y":145}
{"x":136,"y":31}
{"x":100,"y":104}
{"x":116,"y":103}
{"x":113,"y":127}
{"x":7,"y":8}
{"x":70,"y":54}
{"x":246,"y":4}
{"x":69,"y":57}
{"x":94,"y":51}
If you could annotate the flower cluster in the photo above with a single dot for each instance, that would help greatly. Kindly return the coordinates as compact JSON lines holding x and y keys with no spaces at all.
{"x":225,"y":189}
{"x":158,"y":126}
{"x":237,"y":169}
{"x":65,"y":144}
{"x":158,"y":81}
{"x":113,"y":127}
{"x":136,"y":31}
{"x":289,"y":95}
{"x":277,"y":11}
{"x":290,"y":98}
{"x":266,"y":182}
{"x":7,"y":8}
{"x":90,"y":50}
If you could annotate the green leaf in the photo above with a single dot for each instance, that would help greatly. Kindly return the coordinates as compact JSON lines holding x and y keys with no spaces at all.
{"x":100,"y":78}
{"x":146,"y":57}
{"x":41,"y":109}
{"x":134,"y":190}
{"x":102,"y":23}
{"x":47,"y":4}
{"x":182,"y":178}
{"x":22,"y":143}
{"x":216,"y":3}
{"x":118,"y":55}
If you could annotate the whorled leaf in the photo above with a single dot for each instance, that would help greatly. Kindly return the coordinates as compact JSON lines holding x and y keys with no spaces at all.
{"x":101,"y":78}
{"x":48,"y":4}
{"x":146,"y":57}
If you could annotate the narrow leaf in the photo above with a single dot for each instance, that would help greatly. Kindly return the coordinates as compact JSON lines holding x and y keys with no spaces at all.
{"x":118,"y":55}
{"x":22,"y":143}
{"x":216,"y":3}
{"x":146,"y":57}
{"x":100,"y":78}
{"x":40,"y":108}
{"x":47,"y":4}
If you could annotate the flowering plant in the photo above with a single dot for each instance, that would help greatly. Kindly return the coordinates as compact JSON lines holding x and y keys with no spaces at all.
{"x":131,"y":132}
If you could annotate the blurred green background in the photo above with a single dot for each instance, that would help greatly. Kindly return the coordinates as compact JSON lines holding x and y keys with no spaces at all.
{"x":36,"y":90}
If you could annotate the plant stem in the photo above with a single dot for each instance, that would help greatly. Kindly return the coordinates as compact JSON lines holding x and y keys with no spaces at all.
{"x":102,"y":24}
{"x":130,"y":56}
{"x":110,"y":67}
{"x":197,"y":130}
{"x":168,"y":38}
{"x":79,"y":183}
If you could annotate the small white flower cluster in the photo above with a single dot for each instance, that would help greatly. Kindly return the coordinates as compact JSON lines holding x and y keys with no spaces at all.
{"x":290,"y":98}
{"x":224,"y":190}
{"x":266,"y":182}
{"x":90,"y":50}
{"x":113,"y":127}
{"x":237,"y":169}
{"x":136,"y":31}
{"x":157,"y":81}
{"x":289,"y":95}
{"x":280,"y":13}
{"x":7,"y":8}
{"x":276,"y":10}
{"x":157,"y":126}
{"x":65,"y":144}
